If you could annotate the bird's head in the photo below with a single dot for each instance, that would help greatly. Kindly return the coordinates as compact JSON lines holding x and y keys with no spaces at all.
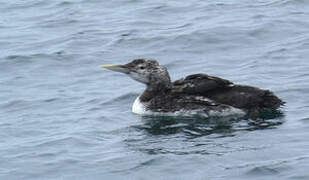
{"x":142,"y":70}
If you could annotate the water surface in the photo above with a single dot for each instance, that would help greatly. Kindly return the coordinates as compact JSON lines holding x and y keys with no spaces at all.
{"x":63,"y":117}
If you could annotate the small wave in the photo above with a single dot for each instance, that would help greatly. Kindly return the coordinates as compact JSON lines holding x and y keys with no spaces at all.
{"x":50,"y":100}
{"x":63,"y":141}
{"x":15,"y":104}
{"x":121,"y":98}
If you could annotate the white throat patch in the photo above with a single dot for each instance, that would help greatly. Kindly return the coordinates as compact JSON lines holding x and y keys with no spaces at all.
{"x":138,"y":107}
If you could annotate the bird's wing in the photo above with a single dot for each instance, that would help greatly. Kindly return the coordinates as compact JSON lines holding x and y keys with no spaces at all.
{"x":200,"y":84}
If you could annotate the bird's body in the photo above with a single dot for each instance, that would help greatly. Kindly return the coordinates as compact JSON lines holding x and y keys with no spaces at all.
{"x":188,"y":105}
{"x":196,"y":94}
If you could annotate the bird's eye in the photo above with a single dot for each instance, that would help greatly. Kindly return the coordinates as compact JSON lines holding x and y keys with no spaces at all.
{"x":142,"y":67}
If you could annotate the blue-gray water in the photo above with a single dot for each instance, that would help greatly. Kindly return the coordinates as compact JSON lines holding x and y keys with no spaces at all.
{"x":63,"y":117}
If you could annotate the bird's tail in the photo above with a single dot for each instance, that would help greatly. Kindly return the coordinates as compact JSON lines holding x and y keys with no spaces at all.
{"x":271,"y":101}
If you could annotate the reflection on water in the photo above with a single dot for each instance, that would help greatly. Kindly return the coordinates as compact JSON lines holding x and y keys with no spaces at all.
{"x":190,"y":126}
{"x":199,"y":126}
{"x":192,"y":135}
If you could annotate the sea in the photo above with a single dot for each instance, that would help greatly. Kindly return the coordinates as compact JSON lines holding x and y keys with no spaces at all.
{"x":63,"y":117}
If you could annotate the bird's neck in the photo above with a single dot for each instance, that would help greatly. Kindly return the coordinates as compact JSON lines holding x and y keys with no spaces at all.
{"x":155,"y":89}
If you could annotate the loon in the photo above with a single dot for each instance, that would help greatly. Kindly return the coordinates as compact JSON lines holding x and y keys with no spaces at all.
{"x":195,"y":94}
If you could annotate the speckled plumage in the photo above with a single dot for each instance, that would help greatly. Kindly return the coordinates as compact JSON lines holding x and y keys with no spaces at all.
{"x":252,"y":99}
{"x":196,"y":93}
